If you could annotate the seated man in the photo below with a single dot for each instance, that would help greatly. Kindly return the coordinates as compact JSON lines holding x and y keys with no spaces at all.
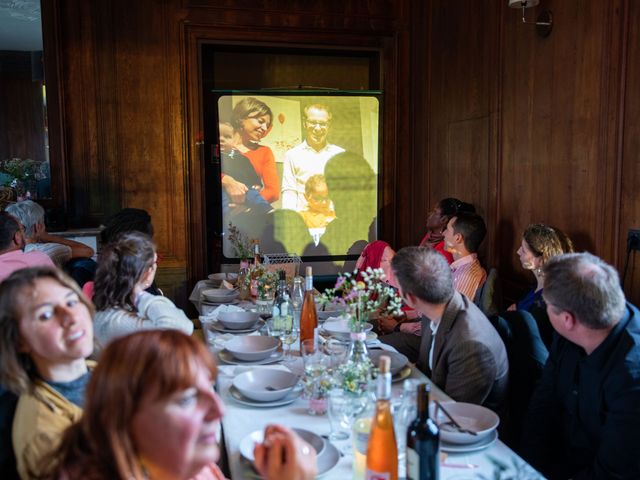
{"x":462,"y":237}
{"x":460,"y":350}
{"x":12,"y":243}
{"x":584,"y":417}
{"x":59,"y":249}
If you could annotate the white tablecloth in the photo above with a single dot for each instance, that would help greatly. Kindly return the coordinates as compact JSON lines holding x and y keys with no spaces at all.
{"x":240,"y":420}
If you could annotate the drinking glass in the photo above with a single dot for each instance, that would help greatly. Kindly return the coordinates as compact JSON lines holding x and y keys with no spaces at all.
{"x":316,"y":379}
{"x":339,"y":415}
{"x":297,"y":297}
{"x":406,"y":412}
{"x":337,"y":352}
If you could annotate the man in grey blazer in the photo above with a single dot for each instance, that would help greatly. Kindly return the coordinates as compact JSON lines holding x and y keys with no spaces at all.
{"x":460,"y":350}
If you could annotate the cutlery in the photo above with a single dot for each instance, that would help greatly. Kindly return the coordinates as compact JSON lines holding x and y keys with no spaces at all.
{"x":452,"y":420}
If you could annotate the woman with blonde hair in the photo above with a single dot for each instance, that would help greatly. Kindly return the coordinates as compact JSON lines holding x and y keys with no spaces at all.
{"x":47,"y":334}
{"x":539,"y":244}
{"x":126,"y":268}
{"x":152,"y":413}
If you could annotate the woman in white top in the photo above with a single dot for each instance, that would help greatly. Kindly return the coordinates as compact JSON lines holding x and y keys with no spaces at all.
{"x":126,"y":268}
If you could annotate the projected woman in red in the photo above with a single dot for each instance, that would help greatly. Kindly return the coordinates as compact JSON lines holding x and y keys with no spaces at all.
{"x":252,"y":119}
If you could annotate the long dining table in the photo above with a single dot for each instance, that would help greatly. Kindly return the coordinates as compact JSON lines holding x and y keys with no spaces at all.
{"x":240,"y":420}
{"x":496,"y":462}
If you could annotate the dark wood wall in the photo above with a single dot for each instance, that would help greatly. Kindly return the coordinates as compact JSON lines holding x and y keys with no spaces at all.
{"x":529,"y":129}
{"x":131,"y":101}
{"x":21,"y":116}
{"x":535,"y":129}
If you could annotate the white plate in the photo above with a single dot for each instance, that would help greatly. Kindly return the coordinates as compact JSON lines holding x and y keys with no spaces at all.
{"x":218,"y":327}
{"x":242,"y":400}
{"x":470,"y":447}
{"x":327,"y":459}
{"x":227,"y":357}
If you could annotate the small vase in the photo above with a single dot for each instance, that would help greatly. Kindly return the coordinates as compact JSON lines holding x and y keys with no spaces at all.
{"x":357,"y":369}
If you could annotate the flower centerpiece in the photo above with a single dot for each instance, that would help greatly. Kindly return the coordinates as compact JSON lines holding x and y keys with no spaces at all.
{"x":361,"y":298}
{"x":242,"y":244}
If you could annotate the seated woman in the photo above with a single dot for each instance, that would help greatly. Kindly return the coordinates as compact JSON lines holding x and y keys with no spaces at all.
{"x":539,"y":244}
{"x":47,"y":334}
{"x":161,"y":420}
{"x":437,"y":221}
{"x":126,"y":268}
{"x":379,"y":254}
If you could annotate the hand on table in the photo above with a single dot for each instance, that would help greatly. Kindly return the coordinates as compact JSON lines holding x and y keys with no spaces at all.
{"x":284,"y":455}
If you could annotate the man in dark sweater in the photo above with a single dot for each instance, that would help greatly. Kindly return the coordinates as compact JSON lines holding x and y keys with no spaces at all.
{"x":584,"y":418}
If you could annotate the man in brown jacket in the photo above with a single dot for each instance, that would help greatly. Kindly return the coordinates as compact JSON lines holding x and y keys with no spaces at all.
{"x":460,"y":350}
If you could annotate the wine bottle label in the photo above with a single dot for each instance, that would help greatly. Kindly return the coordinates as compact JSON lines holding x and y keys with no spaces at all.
{"x":373,"y":475}
{"x":413,"y":464}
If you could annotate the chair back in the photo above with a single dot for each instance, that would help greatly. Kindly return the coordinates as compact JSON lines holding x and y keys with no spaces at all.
{"x":527,"y":356}
{"x":489,"y":296}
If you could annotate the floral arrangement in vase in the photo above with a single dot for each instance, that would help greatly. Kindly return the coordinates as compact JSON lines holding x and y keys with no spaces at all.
{"x":362,"y":299}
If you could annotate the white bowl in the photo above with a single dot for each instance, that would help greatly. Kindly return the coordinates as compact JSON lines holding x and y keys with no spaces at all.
{"x":238,"y":320}
{"x":469,"y":416}
{"x":340,"y":328}
{"x":252,"y":348}
{"x":265,"y":385}
{"x":220,"y":295}
{"x":216,"y":278}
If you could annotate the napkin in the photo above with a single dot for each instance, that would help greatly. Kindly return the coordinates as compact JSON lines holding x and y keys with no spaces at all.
{"x":213,"y":315}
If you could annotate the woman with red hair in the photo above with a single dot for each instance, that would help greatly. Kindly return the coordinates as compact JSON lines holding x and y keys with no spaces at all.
{"x":151,"y":413}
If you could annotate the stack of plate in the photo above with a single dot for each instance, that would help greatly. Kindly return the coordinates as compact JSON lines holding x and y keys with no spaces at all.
{"x":475,"y":418}
{"x":265,"y":388}
{"x":251,"y":349}
{"x":216,"y":279}
{"x":328,"y":455}
{"x":339,"y":328}
{"x":220,"y":295}
{"x":400,"y":368}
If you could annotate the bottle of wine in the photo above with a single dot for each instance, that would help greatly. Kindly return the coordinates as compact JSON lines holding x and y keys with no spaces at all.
{"x":423,"y":442}
{"x":382,"y":450}
{"x":308,"y":315}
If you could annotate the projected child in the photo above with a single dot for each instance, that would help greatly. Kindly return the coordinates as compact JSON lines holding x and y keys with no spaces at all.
{"x":252,"y":119}
{"x":240,"y":182}
{"x":319,"y":211}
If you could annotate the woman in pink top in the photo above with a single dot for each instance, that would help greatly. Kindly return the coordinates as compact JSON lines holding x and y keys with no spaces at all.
{"x":151,"y":412}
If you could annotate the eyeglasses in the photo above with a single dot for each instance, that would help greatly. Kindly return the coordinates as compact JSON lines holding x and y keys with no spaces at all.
{"x":310,"y":123}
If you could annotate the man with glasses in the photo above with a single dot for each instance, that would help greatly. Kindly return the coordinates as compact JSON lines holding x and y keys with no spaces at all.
{"x":309,"y":158}
{"x":12,"y":243}
{"x":584,"y":417}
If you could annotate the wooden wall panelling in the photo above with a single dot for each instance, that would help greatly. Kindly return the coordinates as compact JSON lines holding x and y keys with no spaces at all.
{"x":462,"y":74}
{"x":21,"y":115}
{"x":558,"y":119}
{"x":630,"y":197}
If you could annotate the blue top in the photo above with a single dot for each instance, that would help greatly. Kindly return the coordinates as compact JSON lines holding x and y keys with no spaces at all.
{"x":584,"y":417}
{"x":73,"y":390}
{"x":532,"y":299}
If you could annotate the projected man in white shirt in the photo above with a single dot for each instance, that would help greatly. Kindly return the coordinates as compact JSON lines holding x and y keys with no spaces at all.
{"x":309,"y":158}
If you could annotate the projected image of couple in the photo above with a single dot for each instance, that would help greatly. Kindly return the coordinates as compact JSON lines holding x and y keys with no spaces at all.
{"x":327,"y":200}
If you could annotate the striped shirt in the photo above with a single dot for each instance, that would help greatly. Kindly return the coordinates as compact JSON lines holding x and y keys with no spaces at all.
{"x":468,"y":275}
